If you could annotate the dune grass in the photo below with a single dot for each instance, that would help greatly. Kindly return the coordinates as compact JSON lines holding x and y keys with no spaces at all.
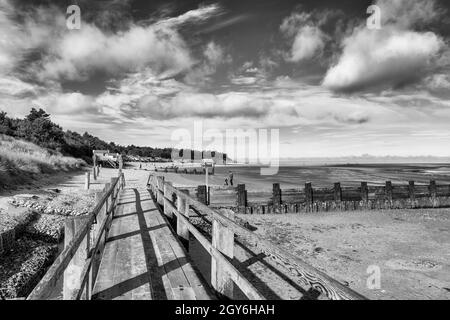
{"x":21,"y":161}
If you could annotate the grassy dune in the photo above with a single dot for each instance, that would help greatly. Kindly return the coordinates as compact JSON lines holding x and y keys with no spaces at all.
{"x":21,"y":161}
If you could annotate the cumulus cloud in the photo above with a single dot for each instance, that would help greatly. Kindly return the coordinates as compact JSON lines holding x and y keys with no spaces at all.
{"x":390,"y":57}
{"x":76,"y":54}
{"x":90,"y":49}
{"x":304,"y":32}
{"x":308,"y":41}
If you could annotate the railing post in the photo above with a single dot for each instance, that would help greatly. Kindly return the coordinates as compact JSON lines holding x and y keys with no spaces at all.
{"x":182,"y":228}
{"x":72,"y":274}
{"x":241,"y":198}
{"x":222,"y":240}
{"x":167,"y":195}
{"x":337,"y":192}
{"x":113,"y":193}
{"x":159,"y":187}
{"x":87,"y":181}
{"x":388,"y":191}
{"x":364,"y":192}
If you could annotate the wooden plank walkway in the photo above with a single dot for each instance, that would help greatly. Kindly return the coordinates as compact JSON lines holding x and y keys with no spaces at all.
{"x":143,"y":259}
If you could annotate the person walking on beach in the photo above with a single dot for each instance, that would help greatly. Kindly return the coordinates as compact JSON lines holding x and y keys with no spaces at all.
{"x":226,"y":181}
{"x":230,"y":177}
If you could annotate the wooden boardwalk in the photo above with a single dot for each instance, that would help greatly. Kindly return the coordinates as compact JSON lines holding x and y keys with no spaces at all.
{"x":142,"y":259}
{"x":127,"y":249}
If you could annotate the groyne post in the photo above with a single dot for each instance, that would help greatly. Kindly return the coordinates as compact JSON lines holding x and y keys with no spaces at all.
{"x":388,"y":191}
{"x":201,"y":194}
{"x":411,"y":191}
{"x":337,"y":192}
{"x":433,"y":192}
{"x":276,"y":195}
{"x":364,"y":192}
{"x":241,"y":198}
{"x":309,"y":193}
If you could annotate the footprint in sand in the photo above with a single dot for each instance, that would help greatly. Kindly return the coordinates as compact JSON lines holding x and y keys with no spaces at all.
{"x":413,"y":265}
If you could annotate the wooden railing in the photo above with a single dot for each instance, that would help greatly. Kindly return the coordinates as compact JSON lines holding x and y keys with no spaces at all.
{"x":223,"y":273}
{"x":85,"y":239}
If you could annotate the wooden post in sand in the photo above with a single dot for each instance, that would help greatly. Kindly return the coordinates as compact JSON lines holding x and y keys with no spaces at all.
{"x":72,"y":274}
{"x":276,"y":194}
{"x":87,"y":181}
{"x":337,"y":192}
{"x":241,"y":198}
{"x":388,"y":191}
{"x":201,"y":195}
{"x":364,"y":192}
{"x":433,"y":192}
{"x":411,"y":191}
{"x":309,"y":193}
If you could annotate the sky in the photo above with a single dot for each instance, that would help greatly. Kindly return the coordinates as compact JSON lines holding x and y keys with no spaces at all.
{"x":137,"y":71}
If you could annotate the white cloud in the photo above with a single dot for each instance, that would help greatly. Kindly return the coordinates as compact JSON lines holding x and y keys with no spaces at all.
{"x":67,"y":103}
{"x":213,"y":57}
{"x":390,"y":57}
{"x":304,"y":31}
{"x":201,"y":14}
{"x":386,"y":58}
{"x":308,"y":42}
{"x":11,"y":86}
{"x":76,"y":54}
{"x":79,"y":53}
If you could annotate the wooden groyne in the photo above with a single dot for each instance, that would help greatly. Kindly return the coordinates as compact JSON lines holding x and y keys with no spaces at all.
{"x":336,"y":198}
{"x":184,"y":170}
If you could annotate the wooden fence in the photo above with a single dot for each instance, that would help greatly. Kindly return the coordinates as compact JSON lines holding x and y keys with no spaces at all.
{"x":336,"y":198}
{"x":177,"y":204}
{"x":84,"y":242}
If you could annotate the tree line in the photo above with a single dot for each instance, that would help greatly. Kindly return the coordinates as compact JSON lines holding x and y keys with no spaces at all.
{"x":38,"y":128}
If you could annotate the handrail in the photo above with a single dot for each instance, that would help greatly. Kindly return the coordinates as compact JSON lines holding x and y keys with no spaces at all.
{"x":56,"y":270}
{"x":251,"y":292}
{"x":318,"y":280}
